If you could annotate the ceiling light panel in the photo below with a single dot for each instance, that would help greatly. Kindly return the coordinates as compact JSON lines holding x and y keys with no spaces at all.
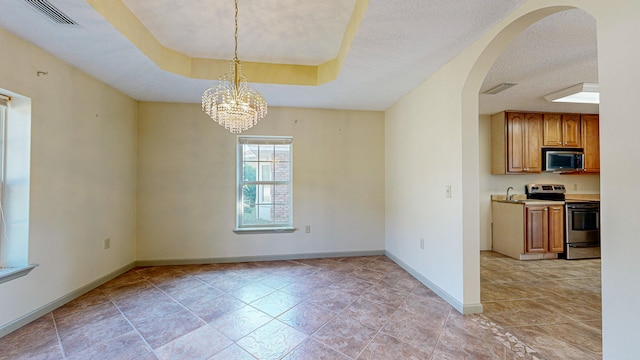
{"x":583,"y":93}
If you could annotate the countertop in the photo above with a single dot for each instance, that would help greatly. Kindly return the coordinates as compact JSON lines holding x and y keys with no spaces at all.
{"x":522,"y":199}
{"x":531,"y":202}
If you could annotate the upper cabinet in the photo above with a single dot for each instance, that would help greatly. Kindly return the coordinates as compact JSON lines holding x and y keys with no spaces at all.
{"x":516,"y":143}
{"x":591,"y":143}
{"x":561,"y":130}
{"x":517,"y":139}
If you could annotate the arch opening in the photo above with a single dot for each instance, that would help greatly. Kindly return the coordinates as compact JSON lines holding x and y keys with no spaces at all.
{"x":476,"y":202}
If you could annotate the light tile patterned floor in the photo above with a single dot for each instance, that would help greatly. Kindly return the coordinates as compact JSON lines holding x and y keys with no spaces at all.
{"x":552,"y":306}
{"x":339,"y":308}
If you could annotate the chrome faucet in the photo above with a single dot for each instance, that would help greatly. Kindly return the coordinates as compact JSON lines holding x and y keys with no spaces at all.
{"x":509,"y":197}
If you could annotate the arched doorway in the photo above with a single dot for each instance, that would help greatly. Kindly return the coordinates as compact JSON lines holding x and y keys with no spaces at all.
{"x":479,"y":71}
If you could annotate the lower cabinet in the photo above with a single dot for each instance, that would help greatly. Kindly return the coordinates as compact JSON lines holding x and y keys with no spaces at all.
{"x":544,"y":228}
{"x":527,"y":231}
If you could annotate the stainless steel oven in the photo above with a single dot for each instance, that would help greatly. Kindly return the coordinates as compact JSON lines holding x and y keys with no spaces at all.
{"x":582,"y":235}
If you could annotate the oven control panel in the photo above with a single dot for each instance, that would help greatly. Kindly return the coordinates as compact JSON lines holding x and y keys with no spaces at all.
{"x":545,"y":189}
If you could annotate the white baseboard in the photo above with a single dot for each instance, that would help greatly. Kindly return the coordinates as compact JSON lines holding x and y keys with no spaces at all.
{"x":462,"y":308}
{"x":161,"y":262}
{"x":24,"y":320}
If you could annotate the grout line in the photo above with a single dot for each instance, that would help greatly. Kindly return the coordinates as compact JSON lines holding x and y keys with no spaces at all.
{"x":440,"y":333}
{"x":385,"y":324}
{"x":55,"y":326}
{"x":149,"y":347}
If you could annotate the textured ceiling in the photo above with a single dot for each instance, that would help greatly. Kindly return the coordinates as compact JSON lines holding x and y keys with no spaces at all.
{"x":397,"y":46}
{"x":303,"y":32}
{"x":553,"y":54}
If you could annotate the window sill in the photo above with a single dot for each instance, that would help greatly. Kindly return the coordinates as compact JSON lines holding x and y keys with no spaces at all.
{"x":264,"y":230}
{"x":10,"y":273}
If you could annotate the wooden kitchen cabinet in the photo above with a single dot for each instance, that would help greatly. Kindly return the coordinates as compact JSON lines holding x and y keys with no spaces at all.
{"x":556,"y":229}
{"x":517,"y":139}
{"x":544,"y":229}
{"x":561,"y":130}
{"x":591,"y":143}
{"x":536,"y":229}
{"x":527,"y":231}
{"x":516,"y":143}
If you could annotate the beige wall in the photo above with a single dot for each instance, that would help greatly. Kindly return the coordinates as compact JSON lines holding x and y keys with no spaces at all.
{"x":423,"y":153}
{"x":498,"y":184}
{"x":83,"y":170}
{"x":618,"y":54}
{"x":186,"y":183}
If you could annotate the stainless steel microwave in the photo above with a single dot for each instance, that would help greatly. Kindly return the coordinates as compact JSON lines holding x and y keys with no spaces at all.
{"x":562,"y":159}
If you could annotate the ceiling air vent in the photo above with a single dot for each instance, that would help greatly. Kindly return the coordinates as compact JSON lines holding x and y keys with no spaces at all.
{"x":50,"y":11}
{"x":499,"y":88}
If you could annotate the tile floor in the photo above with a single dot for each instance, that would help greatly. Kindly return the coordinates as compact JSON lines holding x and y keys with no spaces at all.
{"x":339,"y":308}
{"x":552,"y":306}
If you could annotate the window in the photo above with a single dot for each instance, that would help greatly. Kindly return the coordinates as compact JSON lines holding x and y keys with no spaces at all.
{"x":3,"y":113}
{"x":15,"y":145}
{"x":264,"y":197}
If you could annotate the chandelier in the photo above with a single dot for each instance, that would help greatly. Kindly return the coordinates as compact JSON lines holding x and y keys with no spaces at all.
{"x":232,"y":103}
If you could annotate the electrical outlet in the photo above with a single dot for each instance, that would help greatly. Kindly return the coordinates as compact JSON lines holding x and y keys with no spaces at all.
{"x":107,"y":243}
{"x":448,"y":191}
{"x":307,"y":229}
{"x":575,"y":186}
{"x":422,"y":243}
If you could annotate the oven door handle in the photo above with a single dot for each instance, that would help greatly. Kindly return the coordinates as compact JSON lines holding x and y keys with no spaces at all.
{"x":581,"y":245}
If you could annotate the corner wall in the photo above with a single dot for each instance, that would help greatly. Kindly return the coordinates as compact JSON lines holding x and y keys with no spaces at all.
{"x":424,"y":155}
{"x":187,"y":174}
{"x":618,"y":54}
{"x":83,"y":170}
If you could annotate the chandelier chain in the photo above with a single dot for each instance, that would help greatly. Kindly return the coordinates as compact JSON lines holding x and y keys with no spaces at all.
{"x":236,"y":62}
{"x":235,"y":56}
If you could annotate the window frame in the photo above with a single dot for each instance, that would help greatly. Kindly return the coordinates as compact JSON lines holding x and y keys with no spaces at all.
{"x":7,"y":272}
{"x":3,"y":142}
{"x":240,"y":182}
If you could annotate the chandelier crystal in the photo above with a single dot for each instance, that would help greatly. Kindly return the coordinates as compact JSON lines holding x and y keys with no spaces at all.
{"x":232,"y":103}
